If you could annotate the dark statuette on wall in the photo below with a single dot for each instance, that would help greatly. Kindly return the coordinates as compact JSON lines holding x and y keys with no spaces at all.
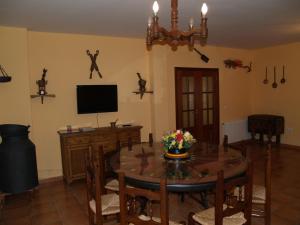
{"x":94,"y":65}
{"x":42,"y":88}
{"x":142,"y":86}
{"x":3,"y":75}
{"x":229,"y":63}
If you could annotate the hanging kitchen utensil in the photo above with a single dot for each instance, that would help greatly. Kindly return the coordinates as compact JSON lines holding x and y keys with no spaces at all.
{"x":274,"y":85}
{"x":265,"y":81}
{"x":283,"y":80}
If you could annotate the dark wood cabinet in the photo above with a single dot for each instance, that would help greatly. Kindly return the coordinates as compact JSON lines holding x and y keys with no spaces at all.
{"x":269,"y":125}
{"x":75,"y":144}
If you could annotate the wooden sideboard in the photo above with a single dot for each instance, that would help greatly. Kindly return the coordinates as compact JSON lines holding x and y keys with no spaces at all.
{"x":75,"y":144}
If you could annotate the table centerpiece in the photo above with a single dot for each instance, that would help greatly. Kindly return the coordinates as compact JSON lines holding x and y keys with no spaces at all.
{"x":177,"y":144}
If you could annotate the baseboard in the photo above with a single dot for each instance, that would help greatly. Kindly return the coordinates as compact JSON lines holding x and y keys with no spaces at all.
{"x":295,"y":147}
{"x":288,"y":146}
{"x":51,"y":180}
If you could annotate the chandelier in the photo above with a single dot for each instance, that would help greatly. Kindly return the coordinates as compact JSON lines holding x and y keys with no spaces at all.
{"x":175,"y":37}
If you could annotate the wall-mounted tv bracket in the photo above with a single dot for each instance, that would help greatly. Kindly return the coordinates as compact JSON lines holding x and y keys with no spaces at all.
{"x":42,"y":88}
{"x":142,"y":86}
{"x":94,"y":65}
{"x":3,"y":75}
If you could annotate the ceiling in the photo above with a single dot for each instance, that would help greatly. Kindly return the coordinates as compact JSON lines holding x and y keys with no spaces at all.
{"x":231,"y":23}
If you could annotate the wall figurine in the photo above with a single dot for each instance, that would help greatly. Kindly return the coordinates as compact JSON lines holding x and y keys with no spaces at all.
{"x":94,"y":65}
{"x":203,"y":57}
{"x":42,"y":87}
{"x":142,"y":86}
{"x":237,"y":63}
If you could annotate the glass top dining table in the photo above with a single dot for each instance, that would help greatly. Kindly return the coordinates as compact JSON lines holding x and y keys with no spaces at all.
{"x":145,"y":165}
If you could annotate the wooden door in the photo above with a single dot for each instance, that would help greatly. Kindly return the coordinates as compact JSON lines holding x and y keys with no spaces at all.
{"x":197,"y":102}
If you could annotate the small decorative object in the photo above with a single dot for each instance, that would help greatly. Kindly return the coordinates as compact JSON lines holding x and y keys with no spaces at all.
{"x":265,"y":81}
{"x":283,"y":80}
{"x":3,"y":75}
{"x":202,"y":56}
{"x":274,"y":85}
{"x":42,"y":88}
{"x":114,"y":123}
{"x":176,"y":144}
{"x":94,"y":65}
{"x":236,"y":63}
{"x":142,"y":86}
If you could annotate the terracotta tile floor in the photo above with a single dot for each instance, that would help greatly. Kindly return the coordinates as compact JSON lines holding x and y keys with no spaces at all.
{"x":60,"y":204}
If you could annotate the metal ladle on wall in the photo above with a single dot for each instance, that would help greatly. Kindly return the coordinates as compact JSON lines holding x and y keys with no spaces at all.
{"x":265,"y":81}
{"x":274,"y":85}
{"x":283,"y":80}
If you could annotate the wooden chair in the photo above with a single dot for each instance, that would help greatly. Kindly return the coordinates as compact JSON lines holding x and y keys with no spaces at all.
{"x":261,"y":199}
{"x":229,"y":209}
{"x":99,"y":204}
{"x":111,"y":182}
{"x":129,"y":210}
{"x":262,"y":194}
{"x":237,"y":146}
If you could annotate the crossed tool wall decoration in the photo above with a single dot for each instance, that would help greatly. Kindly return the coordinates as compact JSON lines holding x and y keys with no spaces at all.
{"x":94,"y":65}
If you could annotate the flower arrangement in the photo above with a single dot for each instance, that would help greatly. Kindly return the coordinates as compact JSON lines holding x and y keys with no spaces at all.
{"x":178,"y":140}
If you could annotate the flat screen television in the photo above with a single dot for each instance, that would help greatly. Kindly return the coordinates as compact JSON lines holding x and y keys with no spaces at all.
{"x":97,"y":98}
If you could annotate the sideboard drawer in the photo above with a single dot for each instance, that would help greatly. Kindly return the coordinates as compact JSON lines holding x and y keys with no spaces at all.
{"x":77,"y":140}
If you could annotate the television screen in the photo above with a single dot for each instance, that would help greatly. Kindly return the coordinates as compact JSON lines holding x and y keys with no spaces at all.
{"x":97,"y":98}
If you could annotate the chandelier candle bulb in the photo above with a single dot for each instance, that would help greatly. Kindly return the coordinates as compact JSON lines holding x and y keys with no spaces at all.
{"x":204,"y":9}
{"x":155,"y":8}
{"x":191,"y":23}
{"x":149,"y":21}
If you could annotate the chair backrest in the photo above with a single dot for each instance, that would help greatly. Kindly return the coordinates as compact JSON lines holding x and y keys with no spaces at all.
{"x":268,"y":173}
{"x":108,"y":170}
{"x":235,"y":204}
{"x":241,"y":146}
{"x":94,"y":181}
{"x":129,"y":213}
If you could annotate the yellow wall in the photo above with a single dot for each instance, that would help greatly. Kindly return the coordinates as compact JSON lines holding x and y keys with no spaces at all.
{"x":234,"y":84}
{"x":285,"y":99}
{"x":14,"y":95}
{"x":64,"y":55}
{"x":24,"y":54}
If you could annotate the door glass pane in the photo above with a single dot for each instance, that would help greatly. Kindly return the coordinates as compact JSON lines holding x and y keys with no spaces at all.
{"x":185,"y":121}
{"x":210,"y":116}
{"x":204,"y":84}
{"x":191,"y":84}
{"x":210,"y":100}
{"x":204,"y":101}
{"x":210,"y":85}
{"x":204,"y":117}
{"x":184,"y":84}
{"x":185,"y":102}
{"x":191,"y":101}
{"x":192,"y":119}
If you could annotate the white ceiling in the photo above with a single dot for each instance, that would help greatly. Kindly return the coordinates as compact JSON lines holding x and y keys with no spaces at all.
{"x":231,"y":23}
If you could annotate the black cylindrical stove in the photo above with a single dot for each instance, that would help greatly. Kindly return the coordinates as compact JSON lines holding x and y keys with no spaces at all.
{"x":18,"y":168}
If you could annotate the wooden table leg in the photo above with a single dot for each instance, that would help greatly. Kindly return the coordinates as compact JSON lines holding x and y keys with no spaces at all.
{"x":261,"y":138}
{"x":278,"y":139}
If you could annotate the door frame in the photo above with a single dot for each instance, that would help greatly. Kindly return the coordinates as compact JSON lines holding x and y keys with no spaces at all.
{"x":216,"y":124}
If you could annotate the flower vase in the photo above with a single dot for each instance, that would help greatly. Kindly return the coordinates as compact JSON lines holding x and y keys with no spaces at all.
{"x":176,"y":153}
